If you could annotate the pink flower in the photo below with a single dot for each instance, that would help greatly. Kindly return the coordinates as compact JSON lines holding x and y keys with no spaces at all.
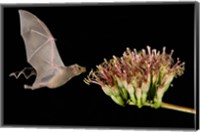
{"x":137,"y":78}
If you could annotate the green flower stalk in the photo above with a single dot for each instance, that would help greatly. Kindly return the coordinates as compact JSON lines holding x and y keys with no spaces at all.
{"x":138,"y":77}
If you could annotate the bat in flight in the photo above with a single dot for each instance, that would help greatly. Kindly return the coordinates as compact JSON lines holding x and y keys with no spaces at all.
{"x":42,"y":54}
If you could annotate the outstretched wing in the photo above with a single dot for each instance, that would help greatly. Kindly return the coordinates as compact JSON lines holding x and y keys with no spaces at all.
{"x":41,"y":50}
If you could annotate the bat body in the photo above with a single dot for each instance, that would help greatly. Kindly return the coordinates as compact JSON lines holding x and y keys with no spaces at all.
{"x":42,"y":54}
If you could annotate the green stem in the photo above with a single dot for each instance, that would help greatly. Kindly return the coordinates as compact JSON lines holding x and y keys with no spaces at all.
{"x":178,"y":108}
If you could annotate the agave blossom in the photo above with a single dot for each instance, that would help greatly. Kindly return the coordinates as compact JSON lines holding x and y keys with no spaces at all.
{"x":138,"y":77}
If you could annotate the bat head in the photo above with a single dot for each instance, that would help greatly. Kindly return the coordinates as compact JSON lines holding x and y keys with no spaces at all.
{"x":77,"y":70}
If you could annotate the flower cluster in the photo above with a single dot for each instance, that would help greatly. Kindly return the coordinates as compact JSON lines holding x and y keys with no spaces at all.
{"x":138,"y":77}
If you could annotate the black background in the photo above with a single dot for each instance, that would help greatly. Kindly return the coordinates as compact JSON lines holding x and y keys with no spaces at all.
{"x":85,"y":34}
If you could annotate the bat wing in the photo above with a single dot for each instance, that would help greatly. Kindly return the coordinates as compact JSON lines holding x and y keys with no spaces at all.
{"x":41,"y":50}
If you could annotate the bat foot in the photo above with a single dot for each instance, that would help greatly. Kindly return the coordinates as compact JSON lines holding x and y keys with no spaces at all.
{"x":28,"y":87}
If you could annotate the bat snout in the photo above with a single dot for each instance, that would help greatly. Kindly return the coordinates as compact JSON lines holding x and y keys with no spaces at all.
{"x":79,"y":69}
{"x":82,"y":69}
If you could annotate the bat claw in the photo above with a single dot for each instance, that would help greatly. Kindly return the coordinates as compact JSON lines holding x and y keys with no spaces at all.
{"x":28,"y":87}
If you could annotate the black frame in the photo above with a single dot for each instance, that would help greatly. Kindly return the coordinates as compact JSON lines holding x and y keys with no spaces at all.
{"x":81,"y":39}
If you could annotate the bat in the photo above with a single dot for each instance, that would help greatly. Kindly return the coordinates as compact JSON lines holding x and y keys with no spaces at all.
{"x":43,"y":56}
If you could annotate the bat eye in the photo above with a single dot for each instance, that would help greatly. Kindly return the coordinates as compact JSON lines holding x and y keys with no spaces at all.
{"x":79,"y":68}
